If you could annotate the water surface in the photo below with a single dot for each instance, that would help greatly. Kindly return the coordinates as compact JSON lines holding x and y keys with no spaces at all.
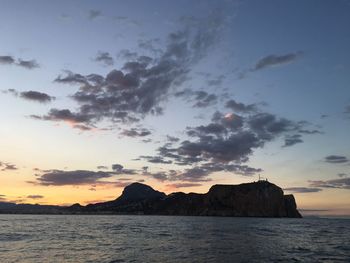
{"x":94,"y":238}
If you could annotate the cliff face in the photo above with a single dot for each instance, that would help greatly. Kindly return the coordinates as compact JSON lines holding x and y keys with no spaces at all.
{"x":260,"y":199}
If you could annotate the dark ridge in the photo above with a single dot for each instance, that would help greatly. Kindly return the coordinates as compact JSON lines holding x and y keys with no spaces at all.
{"x":258,"y":199}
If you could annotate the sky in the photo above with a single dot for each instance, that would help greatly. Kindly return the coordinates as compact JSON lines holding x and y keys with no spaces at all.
{"x":180,"y":95}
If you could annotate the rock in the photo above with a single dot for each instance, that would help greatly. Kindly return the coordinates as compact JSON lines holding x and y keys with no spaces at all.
{"x":291,"y":206}
{"x":258,"y":199}
{"x":138,"y":191}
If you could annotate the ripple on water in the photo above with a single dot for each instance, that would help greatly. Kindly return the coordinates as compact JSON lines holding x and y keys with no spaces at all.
{"x":111,"y":239}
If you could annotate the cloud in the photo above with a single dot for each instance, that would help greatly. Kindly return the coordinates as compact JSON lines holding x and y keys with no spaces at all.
{"x":200,"y":99}
{"x":172,"y":139}
{"x":35,"y":196}
{"x":241,"y":107}
{"x":291,"y":140}
{"x":36,"y":96}
{"x":183,"y":185}
{"x":27,"y":64}
{"x":310,"y":131}
{"x":76,"y":177}
{"x":105,"y":58}
{"x":302,"y":189}
{"x":3,"y":198}
{"x":200,"y":172}
{"x":226,"y":143}
{"x":155,"y":159}
{"x":63,"y":115}
{"x":7,"y":167}
{"x":7,"y":60}
{"x":135,"y":132}
{"x":93,"y":14}
{"x":336,"y":159}
{"x":342,"y":183}
{"x":31,"y":95}
{"x":119,"y":169}
{"x":276,"y":60}
{"x":143,"y":84}
{"x":203,"y":99}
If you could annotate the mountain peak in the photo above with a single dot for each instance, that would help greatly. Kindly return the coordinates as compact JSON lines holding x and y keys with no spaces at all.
{"x":139,"y":191}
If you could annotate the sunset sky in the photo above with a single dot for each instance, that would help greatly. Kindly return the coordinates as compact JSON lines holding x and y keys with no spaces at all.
{"x":179,"y":95}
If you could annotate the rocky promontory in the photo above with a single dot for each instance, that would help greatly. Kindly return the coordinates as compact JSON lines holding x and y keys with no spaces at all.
{"x":258,"y":199}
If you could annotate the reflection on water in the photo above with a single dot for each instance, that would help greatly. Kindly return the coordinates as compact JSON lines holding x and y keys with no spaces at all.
{"x":77,"y":238}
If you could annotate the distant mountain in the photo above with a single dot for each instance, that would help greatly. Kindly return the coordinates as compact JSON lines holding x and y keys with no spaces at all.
{"x":12,"y":208}
{"x":258,"y":199}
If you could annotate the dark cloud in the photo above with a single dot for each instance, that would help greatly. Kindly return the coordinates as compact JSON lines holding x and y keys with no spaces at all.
{"x":161,"y":176}
{"x":105,"y":58}
{"x":241,"y":107}
{"x":127,"y":54}
{"x":155,"y":159}
{"x":10,"y":60}
{"x":93,"y":14}
{"x":342,"y":175}
{"x":36,"y":96}
{"x":35,"y":196}
{"x":302,"y":189}
{"x":73,"y":78}
{"x":63,"y":115}
{"x":172,"y":139}
{"x":276,"y":60}
{"x":136,"y":132}
{"x":342,"y":183}
{"x":7,"y":60}
{"x":201,"y":172}
{"x":336,"y":159}
{"x":226,"y":143}
{"x":77,"y":177}
{"x":310,"y":131}
{"x":143,"y":84}
{"x":183,"y":185}
{"x":28,"y":64}
{"x":31,"y":95}
{"x":235,"y":147}
{"x":203,"y":99}
{"x":291,"y":140}
{"x":7,"y":167}
{"x":150,"y":45}
{"x":102,"y":167}
{"x":267,"y":126}
{"x":119,"y":169}
{"x":200,"y":99}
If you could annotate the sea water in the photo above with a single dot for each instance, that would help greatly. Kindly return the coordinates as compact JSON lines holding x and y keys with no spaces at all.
{"x":96,"y":238}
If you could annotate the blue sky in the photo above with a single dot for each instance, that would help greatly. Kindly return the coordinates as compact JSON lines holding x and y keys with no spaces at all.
{"x":283,"y":66}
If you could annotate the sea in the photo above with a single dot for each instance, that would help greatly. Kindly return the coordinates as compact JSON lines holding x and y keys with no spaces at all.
{"x":117,"y":238}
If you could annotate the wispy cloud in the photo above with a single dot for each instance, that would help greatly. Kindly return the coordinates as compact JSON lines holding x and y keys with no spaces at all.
{"x":27,"y":64}
{"x":336,"y":159}
{"x":302,"y":189}
{"x":276,"y":60}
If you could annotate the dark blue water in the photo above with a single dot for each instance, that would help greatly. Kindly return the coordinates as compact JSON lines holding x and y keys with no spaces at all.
{"x":42,"y":238}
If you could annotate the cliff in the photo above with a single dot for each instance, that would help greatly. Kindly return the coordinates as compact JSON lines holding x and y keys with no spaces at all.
{"x":259,"y":199}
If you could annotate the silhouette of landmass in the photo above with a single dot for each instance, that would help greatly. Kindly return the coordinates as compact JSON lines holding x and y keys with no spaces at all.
{"x":258,"y":199}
